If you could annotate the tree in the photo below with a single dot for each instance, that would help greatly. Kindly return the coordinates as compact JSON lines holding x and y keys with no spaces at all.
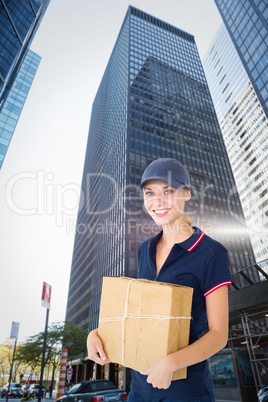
{"x":30,"y":353}
{"x":5,"y":361}
{"x":59,"y":335}
{"x":75,"y":339}
{"x":6,"y":356}
{"x":65,"y":335}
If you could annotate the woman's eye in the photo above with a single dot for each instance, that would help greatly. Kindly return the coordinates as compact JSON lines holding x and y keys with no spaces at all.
{"x":149,"y":193}
{"x":169,"y":192}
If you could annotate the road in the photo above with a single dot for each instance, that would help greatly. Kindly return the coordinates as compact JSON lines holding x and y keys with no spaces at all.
{"x":3,"y":399}
{"x":10,"y":399}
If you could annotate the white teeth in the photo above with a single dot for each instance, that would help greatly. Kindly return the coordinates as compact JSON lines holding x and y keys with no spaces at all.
{"x":161,"y":212}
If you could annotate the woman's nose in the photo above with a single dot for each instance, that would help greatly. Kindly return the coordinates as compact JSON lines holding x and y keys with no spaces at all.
{"x":159,"y":199}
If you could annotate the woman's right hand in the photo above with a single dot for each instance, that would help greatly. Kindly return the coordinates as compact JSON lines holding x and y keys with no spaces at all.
{"x":95,"y":348}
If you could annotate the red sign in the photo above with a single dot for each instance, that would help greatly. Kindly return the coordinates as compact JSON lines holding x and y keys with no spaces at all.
{"x":69,"y":371}
{"x":46,"y":295}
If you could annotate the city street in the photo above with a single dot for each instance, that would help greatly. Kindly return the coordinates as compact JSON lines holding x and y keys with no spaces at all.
{"x":47,"y":399}
{"x":54,"y":395}
{"x":10,"y":399}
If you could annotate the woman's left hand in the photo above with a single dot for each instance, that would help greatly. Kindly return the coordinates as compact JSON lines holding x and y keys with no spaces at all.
{"x":159,"y":374}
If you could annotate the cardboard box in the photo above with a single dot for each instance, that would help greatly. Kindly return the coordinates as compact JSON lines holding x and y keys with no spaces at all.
{"x":142,"y":321}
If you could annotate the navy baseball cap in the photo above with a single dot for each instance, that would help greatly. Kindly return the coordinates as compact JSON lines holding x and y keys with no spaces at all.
{"x":169,"y":171}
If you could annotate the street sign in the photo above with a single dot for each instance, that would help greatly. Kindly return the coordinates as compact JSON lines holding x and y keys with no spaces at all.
{"x":14,"y":330}
{"x":46,"y":295}
{"x":69,"y":373}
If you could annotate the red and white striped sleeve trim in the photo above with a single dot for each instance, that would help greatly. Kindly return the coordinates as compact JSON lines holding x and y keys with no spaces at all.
{"x":197,"y":241}
{"x":228,"y":283}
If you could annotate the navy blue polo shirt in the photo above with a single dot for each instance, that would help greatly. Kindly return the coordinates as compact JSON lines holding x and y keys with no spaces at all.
{"x":201,"y":263}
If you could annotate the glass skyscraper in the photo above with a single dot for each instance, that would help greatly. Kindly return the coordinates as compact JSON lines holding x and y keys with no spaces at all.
{"x":19,"y":20}
{"x":244,"y":126}
{"x":153,"y":101}
{"x":12,"y":106}
{"x":247,"y":24}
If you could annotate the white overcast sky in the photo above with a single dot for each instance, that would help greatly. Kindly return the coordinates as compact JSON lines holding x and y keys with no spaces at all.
{"x":41,"y":175}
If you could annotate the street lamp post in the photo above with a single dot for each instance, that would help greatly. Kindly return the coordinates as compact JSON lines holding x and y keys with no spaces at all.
{"x":45,"y":302}
{"x":13,"y":334}
{"x":11,"y":369}
{"x":43,"y":359}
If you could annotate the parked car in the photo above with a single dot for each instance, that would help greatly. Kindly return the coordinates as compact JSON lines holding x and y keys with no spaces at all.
{"x":263,"y":394}
{"x":14,"y":390}
{"x":24,"y":390}
{"x":33,"y":391}
{"x":93,"y":391}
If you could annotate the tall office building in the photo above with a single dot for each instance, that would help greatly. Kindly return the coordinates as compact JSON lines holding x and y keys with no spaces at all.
{"x":153,"y":101}
{"x":244,"y":126}
{"x":247,"y":24}
{"x":12,"y":106}
{"x":19,"y":20}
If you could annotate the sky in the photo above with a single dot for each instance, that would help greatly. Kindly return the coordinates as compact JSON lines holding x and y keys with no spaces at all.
{"x":41,"y":175}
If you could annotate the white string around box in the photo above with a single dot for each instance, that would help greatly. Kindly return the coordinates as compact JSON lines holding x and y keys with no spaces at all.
{"x":130,"y":315}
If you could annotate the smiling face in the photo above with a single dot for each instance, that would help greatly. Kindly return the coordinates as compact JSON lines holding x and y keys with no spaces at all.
{"x":164,"y":203}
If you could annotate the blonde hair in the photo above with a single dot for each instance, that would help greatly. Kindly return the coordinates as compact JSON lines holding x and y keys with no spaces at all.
{"x":189,"y":220}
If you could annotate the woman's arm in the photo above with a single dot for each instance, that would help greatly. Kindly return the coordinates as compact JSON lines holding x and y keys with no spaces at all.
{"x":95,"y":348}
{"x":160,"y":374}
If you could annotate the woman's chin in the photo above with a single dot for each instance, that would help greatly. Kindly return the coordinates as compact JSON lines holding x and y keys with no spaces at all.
{"x":161,"y":220}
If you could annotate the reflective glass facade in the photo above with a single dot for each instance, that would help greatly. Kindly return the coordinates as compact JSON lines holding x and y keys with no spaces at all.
{"x":153,"y":102}
{"x":244,"y":127}
{"x":247,"y":24}
{"x":19,"y":20}
{"x":11,"y":107}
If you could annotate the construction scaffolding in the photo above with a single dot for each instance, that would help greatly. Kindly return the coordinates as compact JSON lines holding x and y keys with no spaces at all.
{"x":249,"y":319}
{"x":256,"y":336}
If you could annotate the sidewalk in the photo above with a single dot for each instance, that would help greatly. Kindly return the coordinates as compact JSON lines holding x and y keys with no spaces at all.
{"x":48,"y":399}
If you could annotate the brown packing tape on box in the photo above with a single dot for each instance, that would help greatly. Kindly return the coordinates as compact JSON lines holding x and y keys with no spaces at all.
{"x":142,"y":321}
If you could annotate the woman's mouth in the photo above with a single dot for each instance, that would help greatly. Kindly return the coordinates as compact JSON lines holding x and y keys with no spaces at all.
{"x":161,"y":212}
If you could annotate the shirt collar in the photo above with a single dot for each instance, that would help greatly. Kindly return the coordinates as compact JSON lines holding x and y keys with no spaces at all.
{"x":188,"y":244}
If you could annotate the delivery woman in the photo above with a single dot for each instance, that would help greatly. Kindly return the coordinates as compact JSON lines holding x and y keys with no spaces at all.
{"x":184,"y":255}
